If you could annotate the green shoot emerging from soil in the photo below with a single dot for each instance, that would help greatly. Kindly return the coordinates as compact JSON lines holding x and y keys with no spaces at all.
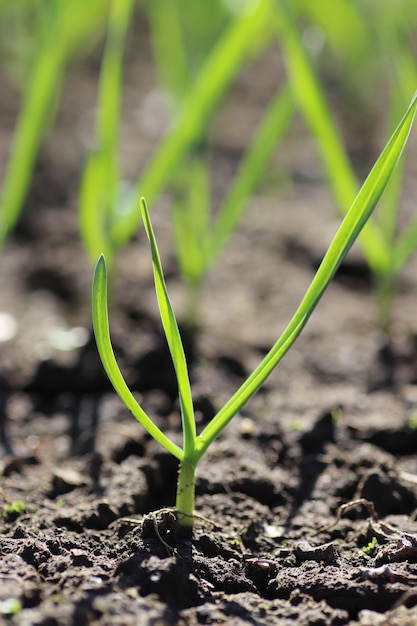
{"x":195,"y":445}
{"x":386,"y":245}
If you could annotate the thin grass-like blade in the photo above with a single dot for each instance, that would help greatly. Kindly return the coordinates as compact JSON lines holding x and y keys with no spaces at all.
{"x":351,"y":226}
{"x":198,"y":246}
{"x":398,"y":60}
{"x":102,"y":334}
{"x":405,"y":246}
{"x":272,"y":127}
{"x":191,"y":219}
{"x":210,"y":84}
{"x":172,"y":334}
{"x":406,"y":71}
{"x":93,"y":199}
{"x":166,"y":29}
{"x":72,"y":24}
{"x":101,"y":173}
{"x":312,"y":102}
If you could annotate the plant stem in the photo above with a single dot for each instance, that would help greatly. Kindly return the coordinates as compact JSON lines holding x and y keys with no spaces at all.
{"x":385,"y":291}
{"x":185,"y":493}
{"x":193,"y":305}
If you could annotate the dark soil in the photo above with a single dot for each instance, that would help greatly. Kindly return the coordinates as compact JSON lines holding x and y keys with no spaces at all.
{"x":307,"y":502}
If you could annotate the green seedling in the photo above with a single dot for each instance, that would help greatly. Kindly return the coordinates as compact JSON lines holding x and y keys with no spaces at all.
{"x":385,"y":250}
{"x":182,"y":34}
{"x":369,"y":549}
{"x":210,"y":84}
{"x":67,"y":27}
{"x":110,"y":228}
{"x":100,"y":184}
{"x":199,"y":240}
{"x":195,"y":445}
{"x":13,"y":510}
{"x":168,"y":45}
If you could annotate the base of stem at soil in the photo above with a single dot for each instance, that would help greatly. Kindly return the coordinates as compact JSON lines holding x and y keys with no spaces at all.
{"x":186,"y":493}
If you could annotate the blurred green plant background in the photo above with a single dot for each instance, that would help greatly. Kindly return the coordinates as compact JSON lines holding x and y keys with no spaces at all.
{"x":343,"y":67}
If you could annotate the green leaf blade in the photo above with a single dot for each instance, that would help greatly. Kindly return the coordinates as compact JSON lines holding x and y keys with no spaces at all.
{"x":351,"y":226}
{"x":215,"y":76}
{"x":267,"y":136}
{"x":102,"y":335}
{"x":71,"y":24}
{"x":101,"y":176}
{"x":173,"y":337}
{"x":313,"y":104}
{"x":191,"y":220}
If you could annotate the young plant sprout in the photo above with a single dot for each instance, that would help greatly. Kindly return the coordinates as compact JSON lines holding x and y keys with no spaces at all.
{"x":56,"y":33}
{"x":199,"y":239}
{"x":109,"y":212}
{"x":385,"y":246}
{"x":195,"y":445}
{"x":109,"y":223}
